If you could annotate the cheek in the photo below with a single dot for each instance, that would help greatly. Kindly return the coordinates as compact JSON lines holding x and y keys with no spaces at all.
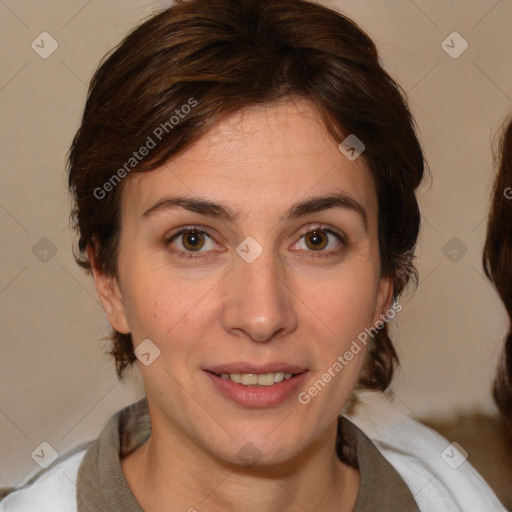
{"x":345,"y":303}
{"x":340,"y":317}
{"x":160,"y":304}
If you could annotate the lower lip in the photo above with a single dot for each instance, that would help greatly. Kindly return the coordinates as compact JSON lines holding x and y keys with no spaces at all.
{"x":264,"y":396}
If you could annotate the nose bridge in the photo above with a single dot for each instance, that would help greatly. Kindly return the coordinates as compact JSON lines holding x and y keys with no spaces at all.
{"x":258,"y":303}
{"x":257,"y":263}
{"x":262,"y":277}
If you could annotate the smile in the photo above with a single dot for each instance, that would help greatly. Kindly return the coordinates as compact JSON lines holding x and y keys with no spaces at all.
{"x":257,"y":386}
{"x":256,"y":380}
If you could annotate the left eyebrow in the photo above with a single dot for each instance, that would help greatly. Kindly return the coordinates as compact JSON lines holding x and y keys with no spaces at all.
{"x":300,"y":209}
{"x":325,"y":202}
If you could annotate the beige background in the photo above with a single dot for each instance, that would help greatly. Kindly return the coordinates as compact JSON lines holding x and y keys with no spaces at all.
{"x":55,"y":384}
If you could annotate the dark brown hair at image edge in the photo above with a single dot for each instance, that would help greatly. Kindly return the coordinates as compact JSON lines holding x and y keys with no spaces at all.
{"x":497,"y":260}
{"x":228,"y":55}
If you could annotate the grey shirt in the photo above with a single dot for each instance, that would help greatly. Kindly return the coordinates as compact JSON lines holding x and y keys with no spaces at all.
{"x":102,"y":487}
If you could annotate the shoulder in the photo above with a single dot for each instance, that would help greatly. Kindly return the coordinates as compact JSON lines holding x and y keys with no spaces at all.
{"x":436,"y":472}
{"x":50,"y":490}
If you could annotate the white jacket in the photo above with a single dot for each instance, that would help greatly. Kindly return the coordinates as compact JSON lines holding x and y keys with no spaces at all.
{"x":414,"y":450}
{"x":424,"y":459}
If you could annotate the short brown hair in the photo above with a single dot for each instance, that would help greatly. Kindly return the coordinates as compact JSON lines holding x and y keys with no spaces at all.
{"x":497,"y":261}
{"x":228,"y":55}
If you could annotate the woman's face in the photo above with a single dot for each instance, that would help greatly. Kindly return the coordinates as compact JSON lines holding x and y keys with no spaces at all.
{"x":251,"y":292}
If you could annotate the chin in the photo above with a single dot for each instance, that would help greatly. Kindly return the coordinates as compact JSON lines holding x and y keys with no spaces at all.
{"x":261,"y":447}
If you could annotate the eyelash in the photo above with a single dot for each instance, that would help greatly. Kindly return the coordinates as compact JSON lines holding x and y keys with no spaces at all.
{"x":196,"y":255}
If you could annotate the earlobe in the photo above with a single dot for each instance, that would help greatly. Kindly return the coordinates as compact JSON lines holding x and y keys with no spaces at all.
{"x":109,"y":294}
{"x":384,"y":297}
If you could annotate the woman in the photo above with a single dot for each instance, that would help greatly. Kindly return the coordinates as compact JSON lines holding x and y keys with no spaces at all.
{"x":244,"y":181}
{"x":497,"y":259}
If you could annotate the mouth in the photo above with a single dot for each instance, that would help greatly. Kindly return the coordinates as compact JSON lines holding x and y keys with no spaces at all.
{"x":257,"y":380}
{"x":257,"y":386}
{"x":253,"y":375}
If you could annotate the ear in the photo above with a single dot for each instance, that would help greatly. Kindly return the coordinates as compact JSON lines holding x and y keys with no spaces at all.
{"x":384,"y":297}
{"x":110,"y":295}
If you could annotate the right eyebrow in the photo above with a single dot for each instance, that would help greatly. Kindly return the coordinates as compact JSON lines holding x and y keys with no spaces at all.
{"x":202,"y":206}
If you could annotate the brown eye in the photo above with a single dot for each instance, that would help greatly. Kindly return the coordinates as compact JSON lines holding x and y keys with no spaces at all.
{"x":316,"y":240}
{"x":192,"y":240}
{"x":191,"y":243}
{"x":321,"y":240}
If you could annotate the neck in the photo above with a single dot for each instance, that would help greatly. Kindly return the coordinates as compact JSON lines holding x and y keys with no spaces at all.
{"x":169,"y":470}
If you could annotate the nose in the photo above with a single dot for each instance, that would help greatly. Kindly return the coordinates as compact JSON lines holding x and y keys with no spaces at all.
{"x":258,"y":303}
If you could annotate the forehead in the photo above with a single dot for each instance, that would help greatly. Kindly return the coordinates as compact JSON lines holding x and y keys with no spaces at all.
{"x":258,"y":158}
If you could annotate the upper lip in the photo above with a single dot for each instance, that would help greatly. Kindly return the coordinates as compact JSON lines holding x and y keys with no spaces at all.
{"x":242,"y":367}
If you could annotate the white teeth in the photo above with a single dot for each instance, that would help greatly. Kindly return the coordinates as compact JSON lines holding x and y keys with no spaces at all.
{"x":266,"y":379}
{"x":253,"y":379}
{"x":249,"y":379}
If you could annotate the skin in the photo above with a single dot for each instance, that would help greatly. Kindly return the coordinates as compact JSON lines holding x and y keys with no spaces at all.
{"x":284,"y":306}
